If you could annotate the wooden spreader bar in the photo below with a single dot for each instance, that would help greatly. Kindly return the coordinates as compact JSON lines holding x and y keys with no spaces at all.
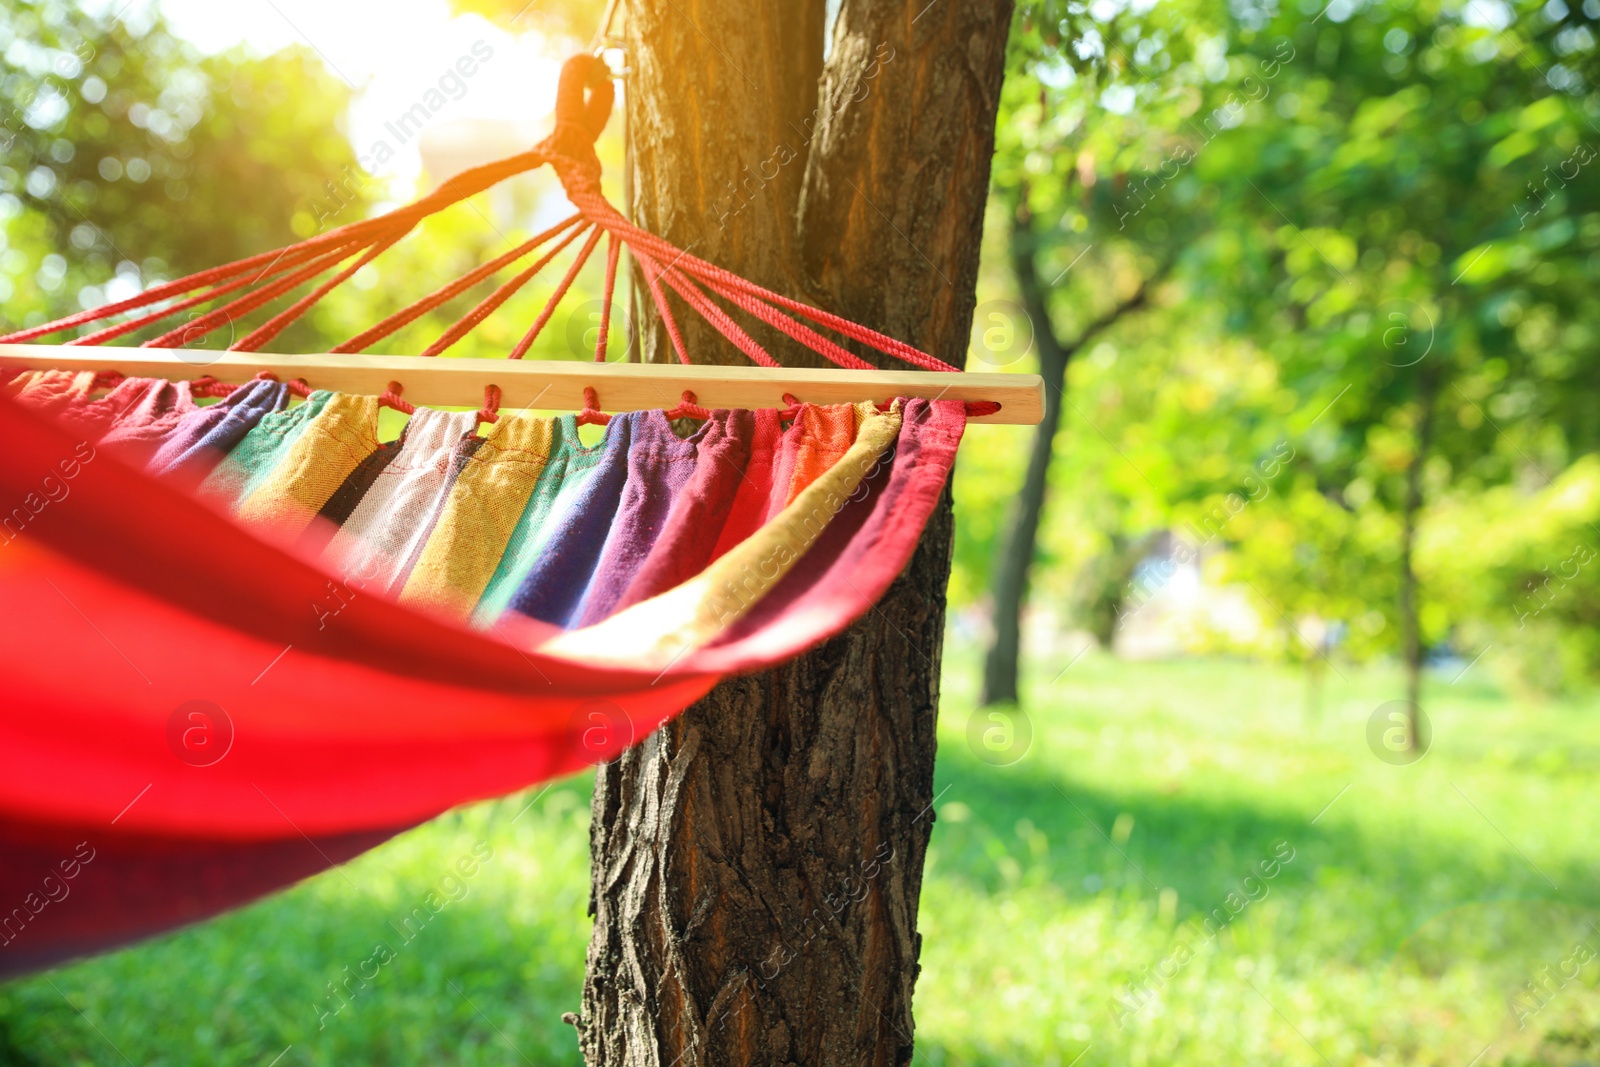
{"x":548,"y":384}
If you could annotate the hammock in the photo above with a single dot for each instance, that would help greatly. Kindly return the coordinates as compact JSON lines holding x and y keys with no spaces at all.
{"x":247,"y":640}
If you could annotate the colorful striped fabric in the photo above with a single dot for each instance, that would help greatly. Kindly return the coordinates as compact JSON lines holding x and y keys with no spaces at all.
{"x":204,"y":436}
{"x":527,"y":520}
{"x":395,"y":514}
{"x":660,"y":630}
{"x":560,"y":488}
{"x":251,"y":461}
{"x":298,"y":475}
{"x":148,"y":412}
{"x":135,"y":410}
{"x":482,"y":511}
{"x":634,"y":572}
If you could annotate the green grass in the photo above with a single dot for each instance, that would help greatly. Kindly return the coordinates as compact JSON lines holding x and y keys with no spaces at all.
{"x":1412,"y":909}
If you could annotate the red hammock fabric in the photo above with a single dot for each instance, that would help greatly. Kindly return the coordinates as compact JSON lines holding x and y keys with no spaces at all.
{"x":336,"y":736}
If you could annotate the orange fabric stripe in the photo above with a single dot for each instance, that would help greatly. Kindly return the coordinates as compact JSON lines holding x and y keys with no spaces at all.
{"x":827,"y":432}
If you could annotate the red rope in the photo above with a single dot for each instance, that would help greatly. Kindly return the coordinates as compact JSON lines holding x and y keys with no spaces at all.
{"x":583,"y":106}
{"x":528,"y":338}
{"x":390,"y":398}
{"x":206,"y":385}
{"x":685,"y":287}
{"x":591,"y":415}
{"x":191,"y":331}
{"x":287,"y":257}
{"x":490,"y":412}
{"x":596,"y":207}
{"x":503,"y":293}
{"x":688,"y":408}
{"x":458,"y":188}
{"x":799,"y":331}
{"x":286,"y":262}
{"x":272,"y":327}
{"x":650,"y":270}
{"x":415,"y":310}
{"x":613,"y":249}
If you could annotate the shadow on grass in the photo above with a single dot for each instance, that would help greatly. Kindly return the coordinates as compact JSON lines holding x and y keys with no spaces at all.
{"x":10,"y":1054}
{"x":487,"y":980}
{"x":1134,"y":843}
{"x":469,"y":988}
{"x":1574,"y":1048}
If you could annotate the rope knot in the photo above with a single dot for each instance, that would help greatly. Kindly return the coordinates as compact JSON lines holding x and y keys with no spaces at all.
{"x":583,"y":99}
{"x":490,"y":412}
{"x":591,"y":415}
{"x":391,"y":398}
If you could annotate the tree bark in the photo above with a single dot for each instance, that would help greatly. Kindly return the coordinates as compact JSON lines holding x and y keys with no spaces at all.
{"x":756,"y":863}
{"x":1015,"y":559}
{"x":1410,"y":594}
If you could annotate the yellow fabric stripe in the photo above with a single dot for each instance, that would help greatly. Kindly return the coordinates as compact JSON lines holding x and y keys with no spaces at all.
{"x":654,"y":633}
{"x":343,"y":434}
{"x":479,"y":516}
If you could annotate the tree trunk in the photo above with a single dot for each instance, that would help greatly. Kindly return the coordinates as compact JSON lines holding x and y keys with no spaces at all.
{"x":1410,"y":609}
{"x":1016,"y":557}
{"x":757,"y":862}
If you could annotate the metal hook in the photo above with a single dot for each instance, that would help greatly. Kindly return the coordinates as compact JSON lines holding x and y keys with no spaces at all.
{"x":616,"y":64}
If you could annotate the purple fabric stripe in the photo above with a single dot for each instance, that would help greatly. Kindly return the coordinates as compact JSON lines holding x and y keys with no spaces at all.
{"x":701,"y":511}
{"x":660,"y":469}
{"x":554,"y":589}
{"x":207,"y":434}
{"x":157,"y":411}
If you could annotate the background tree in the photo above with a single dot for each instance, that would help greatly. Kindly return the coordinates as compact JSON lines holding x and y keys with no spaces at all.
{"x":1318,"y":162}
{"x":1015,"y":559}
{"x":119,"y":143}
{"x":1380,"y":252}
{"x":1064,"y":69}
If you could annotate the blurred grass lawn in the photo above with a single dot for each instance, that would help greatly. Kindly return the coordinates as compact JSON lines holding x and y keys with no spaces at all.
{"x":1412,"y":909}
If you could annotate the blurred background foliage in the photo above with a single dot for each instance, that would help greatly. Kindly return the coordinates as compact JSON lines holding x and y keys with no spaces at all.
{"x":1374,"y":235}
{"x":128,"y":158}
{"x":126,"y":155}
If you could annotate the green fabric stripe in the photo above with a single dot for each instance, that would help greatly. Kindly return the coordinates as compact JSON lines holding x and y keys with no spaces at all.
{"x":559,"y":484}
{"x":253,"y":459}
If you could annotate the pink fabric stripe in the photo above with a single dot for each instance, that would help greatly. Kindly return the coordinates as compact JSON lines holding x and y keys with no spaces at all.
{"x":386,"y":530}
